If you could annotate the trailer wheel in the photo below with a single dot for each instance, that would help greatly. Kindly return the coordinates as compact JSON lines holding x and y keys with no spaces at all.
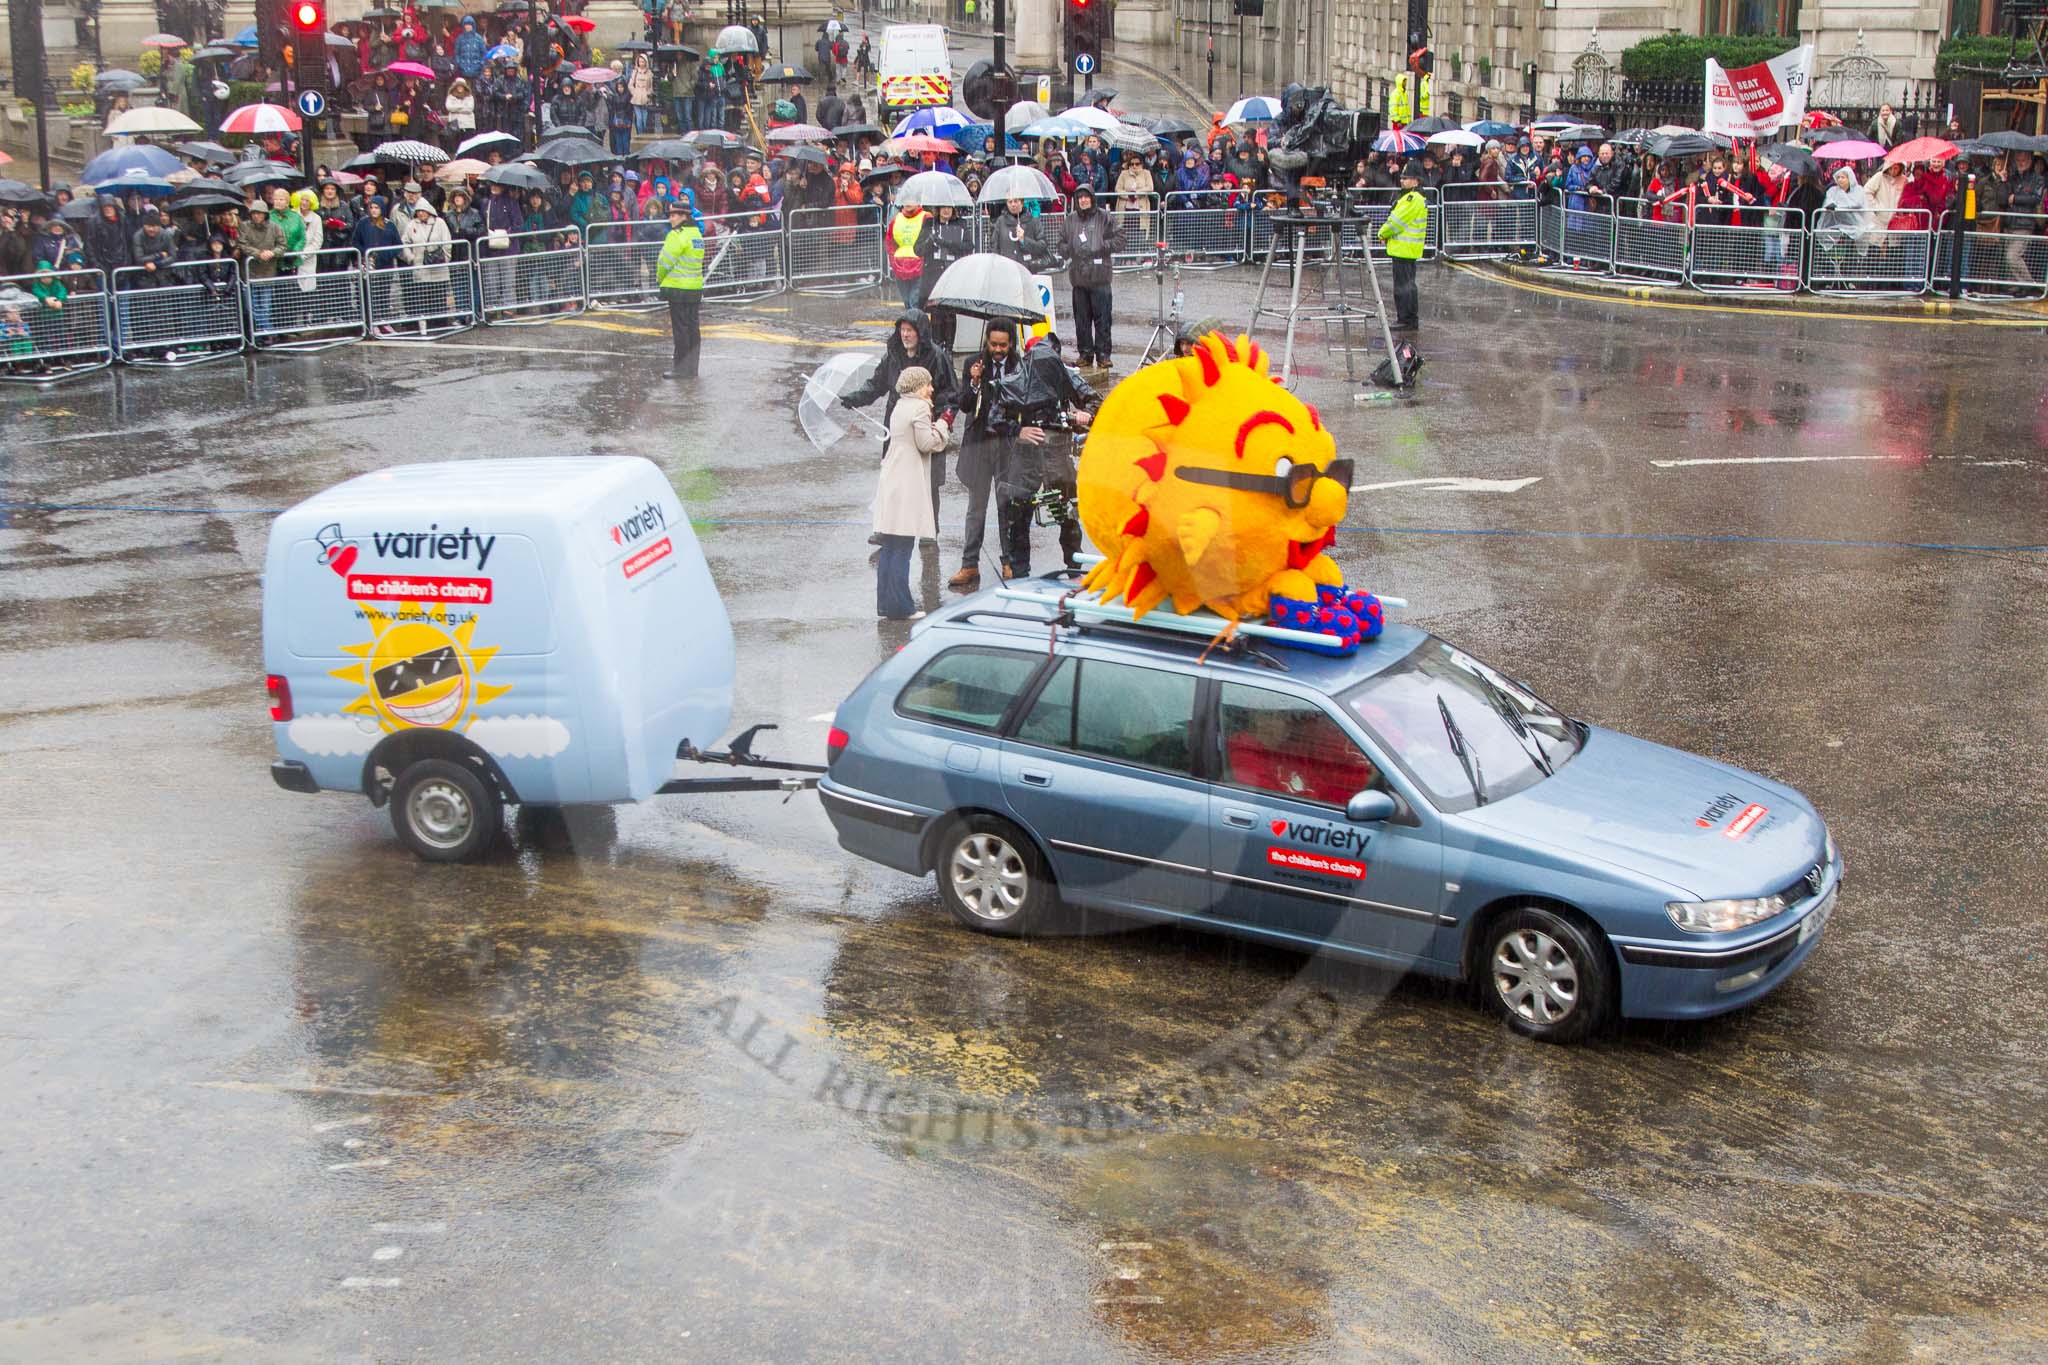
{"x":445,"y":812}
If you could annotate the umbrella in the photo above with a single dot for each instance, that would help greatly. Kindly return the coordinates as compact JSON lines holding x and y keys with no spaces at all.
{"x":1794,"y":158}
{"x":1172,"y":127}
{"x":785,"y":75}
{"x":1017,"y":182}
{"x":119,"y":76}
{"x":577,"y":22}
{"x":683,"y":50}
{"x":1053,"y":127}
{"x":570,"y":130}
{"x":1391,"y":141}
{"x":503,"y":52}
{"x":1435,"y":124}
{"x":809,"y":156}
{"x":167,"y":42}
{"x":669,"y":149}
{"x":710,"y":138}
{"x":512,"y":175}
{"x":1681,"y":144}
{"x":414,"y":69}
{"x":1587,"y":132}
{"x":156,"y":118}
{"x":79,"y":210}
{"x":244,"y":174}
{"x":882,"y":173}
{"x":361,"y":161}
{"x":215,"y":54}
{"x":1632,"y":137}
{"x":1491,"y":127}
{"x":20,"y":192}
{"x":986,"y":285}
{"x":483,"y":142}
{"x":735,"y":38}
{"x":203,"y":199}
{"x":204,"y":151}
{"x":939,"y":122}
{"x":935,"y":190}
{"x":337,"y":41}
{"x":1025,"y":112}
{"x":246,"y":38}
{"x":569,"y":151}
{"x":1457,"y":137}
{"x":142,"y":161}
{"x":1128,"y":137}
{"x":2006,"y":140}
{"x":1254,"y":109}
{"x":799,"y":132}
{"x":1673,"y":129}
{"x":1974,"y":147}
{"x":856,"y":130}
{"x":407,"y":152}
{"x":1090,"y":117}
{"x":594,"y":75}
{"x":259,"y":119}
{"x":918,"y":144}
{"x":634,"y":45}
{"x":824,"y":421}
{"x":383,"y":12}
{"x":1550,"y":123}
{"x":1920,"y":149}
{"x":1848,"y":149}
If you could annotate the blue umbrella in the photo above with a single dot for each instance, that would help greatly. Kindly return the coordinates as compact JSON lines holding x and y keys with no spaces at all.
{"x":1492,"y":127}
{"x":1403,"y":141}
{"x":503,"y":52}
{"x":1054,"y":127}
{"x":939,"y":121}
{"x":1253,"y":109}
{"x":125,"y":164}
{"x":246,"y":38}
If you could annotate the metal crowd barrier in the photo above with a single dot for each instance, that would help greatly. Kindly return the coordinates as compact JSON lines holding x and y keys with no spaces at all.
{"x":1740,"y":256}
{"x":40,"y":340}
{"x":180,"y":315}
{"x":1372,"y":207}
{"x":538,"y":280}
{"x":742,"y":257}
{"x":1141,"y":229}
{"x":309,"y":312}
{"x":1206,"y":229}
{"x":1469,"y":226}
{"x":1883,"y":260}
{"x":836,"y":250}
{"x":619,"y":261}
{"x":1647,"y":248}
{"x":2011,"y":263}
{"x":1575,"y":240}
{"x":423,"y":296}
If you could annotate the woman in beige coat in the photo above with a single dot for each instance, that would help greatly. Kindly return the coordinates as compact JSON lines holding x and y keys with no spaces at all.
{"x":1134,"y":196}
{"x":903,"y":495}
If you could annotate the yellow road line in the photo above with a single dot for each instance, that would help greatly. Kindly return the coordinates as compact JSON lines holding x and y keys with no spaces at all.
{"x":1937,"y":307}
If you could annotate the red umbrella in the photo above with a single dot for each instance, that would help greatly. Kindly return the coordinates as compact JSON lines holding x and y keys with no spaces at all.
{"x":261,"y":118}
{"x":1921,"y":149}
{"x":579,"y":23}
{"x":594,"y":75}
{"x":168,"y":42}
{"x":414,"y":69}
{"x":920,"y":143}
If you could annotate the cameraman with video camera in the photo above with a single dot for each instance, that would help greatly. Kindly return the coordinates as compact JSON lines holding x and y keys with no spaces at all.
{"x":1038,"y":408}
{"x":984,"y":452}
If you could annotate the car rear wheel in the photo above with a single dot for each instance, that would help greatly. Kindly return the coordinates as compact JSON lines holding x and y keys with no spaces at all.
{"x":445,"y":812}
{"x":992,"y":878}
{"x":1548,"y":977}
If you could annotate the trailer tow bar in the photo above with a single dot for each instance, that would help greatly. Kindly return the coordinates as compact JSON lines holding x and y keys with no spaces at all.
{"x":739,"y":754}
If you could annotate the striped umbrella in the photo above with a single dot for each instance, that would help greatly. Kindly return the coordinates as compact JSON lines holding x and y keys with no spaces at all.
{"x":409,"y":153}
{"x":259,"y":119}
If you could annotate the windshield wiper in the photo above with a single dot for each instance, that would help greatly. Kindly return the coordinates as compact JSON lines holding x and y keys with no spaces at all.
{"x":1505,"y":707}
{"x":1466,"y":758}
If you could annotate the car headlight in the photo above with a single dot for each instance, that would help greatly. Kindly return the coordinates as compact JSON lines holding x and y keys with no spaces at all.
{"x":1718,"y":917}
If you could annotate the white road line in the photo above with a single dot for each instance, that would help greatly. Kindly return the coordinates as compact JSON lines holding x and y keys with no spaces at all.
{"x":371,"y":1282}
{"x":1454,"y":485}
{"x":369,"y":1163}
{"x":387,"y":1253}
{"x":1132,"y":1298}
{"x":1765,"y":459}
{"x":1126,"y":1246}
{"x":415,"y":1228}
{"x":342,"y":1123}
{"x":822,"y":717}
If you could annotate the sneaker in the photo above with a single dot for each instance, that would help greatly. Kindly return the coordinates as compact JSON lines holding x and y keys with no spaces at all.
{"x":967,"y":580}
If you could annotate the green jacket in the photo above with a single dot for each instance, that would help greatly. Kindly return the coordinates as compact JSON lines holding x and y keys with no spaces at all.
{"x":1406,"y":231}
{"x":682,"y":259}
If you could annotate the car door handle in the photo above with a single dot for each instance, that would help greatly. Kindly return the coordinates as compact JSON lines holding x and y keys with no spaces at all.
{"x":1035,"y":777}
{"x":1240,"y":819}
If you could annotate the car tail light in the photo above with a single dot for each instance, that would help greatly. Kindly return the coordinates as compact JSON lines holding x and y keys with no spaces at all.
{"x":280,"y":697}
{"x":836,"y":741}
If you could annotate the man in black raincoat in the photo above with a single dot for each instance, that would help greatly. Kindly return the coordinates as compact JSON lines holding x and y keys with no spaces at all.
{"x":1037,"y":413}
{"x":910,"y":344}
{"x":984,"y":452}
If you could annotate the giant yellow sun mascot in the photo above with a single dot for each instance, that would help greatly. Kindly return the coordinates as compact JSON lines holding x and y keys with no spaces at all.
{"x":1206,"y":484}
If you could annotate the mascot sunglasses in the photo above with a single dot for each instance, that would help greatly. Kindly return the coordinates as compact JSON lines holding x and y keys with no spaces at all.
{"x":1293,"y":483}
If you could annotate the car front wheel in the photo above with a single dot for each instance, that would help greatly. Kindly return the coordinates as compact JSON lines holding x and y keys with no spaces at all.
{"x":992,"y":878}
{"x":1546,"y":976}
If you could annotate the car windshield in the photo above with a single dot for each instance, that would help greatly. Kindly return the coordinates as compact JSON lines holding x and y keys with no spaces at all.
{"x":1466,"y":733}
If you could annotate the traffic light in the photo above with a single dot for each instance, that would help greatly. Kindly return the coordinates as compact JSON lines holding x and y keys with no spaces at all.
{"x":309,"y":18}
{"x":1082,"y":31}
{"x":309,"y":43}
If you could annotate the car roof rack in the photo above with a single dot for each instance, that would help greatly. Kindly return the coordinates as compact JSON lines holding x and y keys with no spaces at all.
{"x":1088,"y":610}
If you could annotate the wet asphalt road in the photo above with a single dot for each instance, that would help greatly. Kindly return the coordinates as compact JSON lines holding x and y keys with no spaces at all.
{"x":694,"y":1084}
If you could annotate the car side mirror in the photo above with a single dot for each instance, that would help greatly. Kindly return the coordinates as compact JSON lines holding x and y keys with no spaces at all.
{"x":1371,"y":808}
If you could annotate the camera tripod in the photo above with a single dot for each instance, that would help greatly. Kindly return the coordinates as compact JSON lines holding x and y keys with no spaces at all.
{"x":1302,"y":242}
{"x":1165,"y":320}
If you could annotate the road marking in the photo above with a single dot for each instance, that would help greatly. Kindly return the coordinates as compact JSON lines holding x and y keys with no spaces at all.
{"x":1535,"y":288}
{"x":414,"y":1228}
{"x":1132,"y":1298}
{"x":1126,"y":1246}
{"x":1456,"y":485}
{"x":369,"y":1282}
{"x":342,"y":1123}
{"x":822,"y":717}
{"x":1764,"y":459}
{"x":603,"y":326}
{"x":387,"y":1253}
{"x":368,"y":1163}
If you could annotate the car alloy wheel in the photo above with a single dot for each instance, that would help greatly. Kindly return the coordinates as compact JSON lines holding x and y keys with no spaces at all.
{"x":989,"y":877}
{"x":1535,"y":977}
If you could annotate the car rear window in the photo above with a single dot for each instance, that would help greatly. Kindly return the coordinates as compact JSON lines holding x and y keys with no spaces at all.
{"x":971,"y":687}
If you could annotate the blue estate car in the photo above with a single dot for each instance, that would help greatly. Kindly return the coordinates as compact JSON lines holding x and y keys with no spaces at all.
{"x":1406,"y":805}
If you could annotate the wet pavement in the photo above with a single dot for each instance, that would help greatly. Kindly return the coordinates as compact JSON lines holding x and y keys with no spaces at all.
{"x":689,"y":1082}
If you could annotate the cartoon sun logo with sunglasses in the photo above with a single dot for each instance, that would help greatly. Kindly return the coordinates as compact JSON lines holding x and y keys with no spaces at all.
{"x":1205,"y":483}
{"x":418,"y":672}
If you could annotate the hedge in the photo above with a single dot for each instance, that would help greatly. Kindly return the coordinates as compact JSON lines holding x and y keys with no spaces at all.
{"x":1683,"y":56}
{"x":1975,"y":50}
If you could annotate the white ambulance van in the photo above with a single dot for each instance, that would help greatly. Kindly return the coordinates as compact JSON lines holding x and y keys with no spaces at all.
{"x":452,"y":638}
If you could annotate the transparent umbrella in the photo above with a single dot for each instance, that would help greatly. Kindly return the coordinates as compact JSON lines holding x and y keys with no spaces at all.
{"x":824,"y":421}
